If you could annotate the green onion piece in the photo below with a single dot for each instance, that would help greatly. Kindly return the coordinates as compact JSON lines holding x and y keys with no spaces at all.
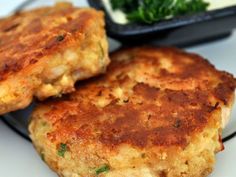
{"x":60,"y":38}
{"x":62,"y":149}
{"x":102,"y":169}
{"x":42,"y":156}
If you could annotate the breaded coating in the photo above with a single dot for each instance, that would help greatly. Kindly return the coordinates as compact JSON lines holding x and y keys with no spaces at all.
{"x":157,"y":112}
{"x":43,"y":52}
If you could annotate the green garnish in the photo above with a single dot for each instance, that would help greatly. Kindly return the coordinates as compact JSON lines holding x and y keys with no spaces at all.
{"x":177,"y":123}
{"x":42,"y":156}
{"x":62,"y":149}
{"x":44,"y":124}
{"x":102,"y":169}
{"x":60,"y":38}
{"x":143,"y":155}
{"x":150,"y":11}
{"x":101,"y":51}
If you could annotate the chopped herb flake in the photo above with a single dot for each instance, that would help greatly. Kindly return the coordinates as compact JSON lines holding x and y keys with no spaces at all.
{"x":102,"y":169}
{"x":42,"y":156}
{"x":143,"y":155}
{"x":177,"y":123}
{"x":101,"y":50}
{"x":44,"y":124}
{"x":62,"y":149}
{"x":60,"y":38}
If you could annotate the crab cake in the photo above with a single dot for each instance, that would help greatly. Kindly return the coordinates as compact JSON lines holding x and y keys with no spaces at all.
{"x":43,"y":52}
{"x":157,"y":112}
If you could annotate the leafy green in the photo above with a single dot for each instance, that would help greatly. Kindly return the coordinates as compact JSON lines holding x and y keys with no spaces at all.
{"x":102,"y":169}
{"x":149,"y":11}
{"x":42,"y":156}
{"x":62,"y":149}
{"x":60,"y":38}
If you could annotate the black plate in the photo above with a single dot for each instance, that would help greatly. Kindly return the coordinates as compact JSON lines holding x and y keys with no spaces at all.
{"x":181,"y":31}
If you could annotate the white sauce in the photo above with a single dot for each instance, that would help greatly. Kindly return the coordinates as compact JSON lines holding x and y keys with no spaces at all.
{"x":119,"y":17}
{"x":116,"y":15}
{"x":218,"y":4}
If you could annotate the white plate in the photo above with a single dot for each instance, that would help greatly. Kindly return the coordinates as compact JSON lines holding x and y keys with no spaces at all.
{"x":19,"y":159}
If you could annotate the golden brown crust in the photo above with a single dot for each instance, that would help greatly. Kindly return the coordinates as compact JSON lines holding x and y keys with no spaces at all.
{"x":28,"y":36}
{"x":156,"y":107}
{"x":43,"y":52}
{"x":156,"y":112}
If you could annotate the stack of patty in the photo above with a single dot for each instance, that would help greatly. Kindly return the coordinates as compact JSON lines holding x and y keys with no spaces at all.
{"x":156,"y":112}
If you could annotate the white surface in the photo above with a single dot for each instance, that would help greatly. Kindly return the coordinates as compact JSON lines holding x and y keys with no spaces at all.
{"x":19,"y":159}
{"x":117,"y":16}
{"x":217,"y":4}
{"x":8,"y":6}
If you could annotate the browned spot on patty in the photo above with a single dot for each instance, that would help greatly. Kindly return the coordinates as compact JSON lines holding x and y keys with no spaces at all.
{"x":146,"y":91}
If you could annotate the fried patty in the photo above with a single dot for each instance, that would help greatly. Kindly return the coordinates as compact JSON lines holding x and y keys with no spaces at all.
{"x":157,"y":112}
{"x":43,"y":52}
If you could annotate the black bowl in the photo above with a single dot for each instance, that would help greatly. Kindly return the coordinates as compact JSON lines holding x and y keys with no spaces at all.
{"x":181,"y":31}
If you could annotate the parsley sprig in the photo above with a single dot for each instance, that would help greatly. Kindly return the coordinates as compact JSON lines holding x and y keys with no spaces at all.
{"x":150,"y":11}
{"x":62,"y":149}
{"x":104,"y":168}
